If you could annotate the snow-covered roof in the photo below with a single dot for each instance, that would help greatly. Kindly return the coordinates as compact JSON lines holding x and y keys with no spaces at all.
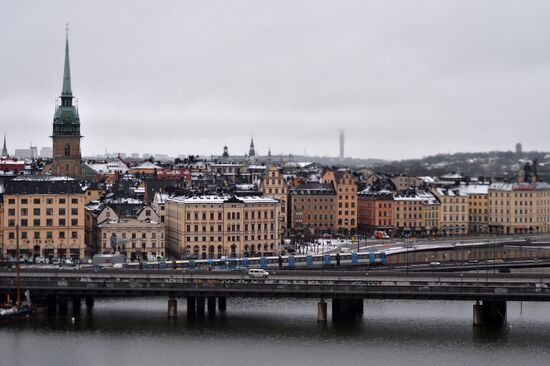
{"x":524,"y":186}
{"x":160,"y":197}
{"x":217,"y":199}
{"x":147,"y":165}
{"x":471,"y":189}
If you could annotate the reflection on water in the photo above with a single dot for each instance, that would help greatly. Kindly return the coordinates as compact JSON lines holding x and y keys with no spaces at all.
{"x":271,"y":332}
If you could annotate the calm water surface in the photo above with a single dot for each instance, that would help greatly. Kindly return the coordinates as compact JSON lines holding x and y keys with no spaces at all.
{"x":278,"y":332}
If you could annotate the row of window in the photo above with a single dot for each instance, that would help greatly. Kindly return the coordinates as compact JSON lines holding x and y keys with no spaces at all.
{"x":134,"y":235}
{"x":37,"y":211}
{"x":36,"y":235}
{"x":233,"y":215}
{"x":38,"y":222}
{"x":38,"y":201}
{"x":233,"y":239}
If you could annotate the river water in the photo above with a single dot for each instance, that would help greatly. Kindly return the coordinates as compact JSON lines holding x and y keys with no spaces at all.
{"x":277,"y":332}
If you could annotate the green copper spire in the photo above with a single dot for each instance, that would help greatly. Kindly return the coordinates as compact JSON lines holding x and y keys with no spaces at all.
{"x":67,"y":92}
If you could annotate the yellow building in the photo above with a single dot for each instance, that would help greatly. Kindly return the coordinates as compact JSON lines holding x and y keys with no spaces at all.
{"x":478,"y":211}
{"x":346,"y":196}
{"x":453,"y":211}
{"x":216,"y":226}
{"x":430,"y":212}
{"x":48,"y":214}
{"x":516,"y":208}
{"x":273,"y":185}
{"x":408,"y":214}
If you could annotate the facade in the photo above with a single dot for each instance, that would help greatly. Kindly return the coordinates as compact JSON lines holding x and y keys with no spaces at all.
{"x":375,"y":211}
{"x":519,"y":208}
{"x":313,"y":209}
{"x":66,"y":130}
{"x":222,"y":226}
{"x":48,"y":214}
{"x":430,"y":212}
{"x":453,"y":211}
{"x":408,"y":214}
{"x":346,"y":193}
{"x":274,"y":185}
{"x":478,"y":211}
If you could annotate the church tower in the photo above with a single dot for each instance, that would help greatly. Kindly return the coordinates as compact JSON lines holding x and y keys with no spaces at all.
{"x":252,"y":151}
{"x":66,"y":129}
{"x":5,"y":149}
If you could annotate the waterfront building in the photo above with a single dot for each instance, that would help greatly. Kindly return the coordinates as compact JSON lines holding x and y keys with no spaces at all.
{"x":519,"y":208}
{"x":274,"y":185}
{"x":375,"y":211}
{"x":430,"y":212}
{"x":125,"y":226}
{"x":48,"y":212}
{"x":223,"y":226}
{"x":346,"y":198}
{"x":408,"y":214}
{"x":478,"y":211}
{"x":453,"y":211}
{"x":313,"y":209}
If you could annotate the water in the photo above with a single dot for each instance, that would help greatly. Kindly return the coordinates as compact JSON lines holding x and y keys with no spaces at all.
{"x":278,"y":332}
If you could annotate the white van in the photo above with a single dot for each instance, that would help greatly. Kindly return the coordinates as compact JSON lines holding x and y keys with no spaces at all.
{"x":258,"y":273}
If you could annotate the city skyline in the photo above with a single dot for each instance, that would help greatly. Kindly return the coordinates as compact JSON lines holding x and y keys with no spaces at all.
{"x":214,"y":74}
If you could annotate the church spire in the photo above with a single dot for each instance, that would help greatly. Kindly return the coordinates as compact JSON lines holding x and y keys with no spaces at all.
{"x":67,"y":92}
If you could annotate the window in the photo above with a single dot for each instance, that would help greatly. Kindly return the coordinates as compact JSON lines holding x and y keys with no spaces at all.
{"x":11,"y":235}
{"x":36,"y":201}
{"x":11,"y":201}
{"x":74,"y":222}
{"x":61,"y":211}
{"x":61,"y":222}
{"x":61,"y":235}
{"x":36,"y":222}
{"x":24,"y":222}
{"x":24,"y":212}
{"x":74,"y":200}
{"x":62,"y":200}
{"x":49,"y":235}
{"x":24,"y":201}
{"x":74,"y":211}
{"x":11,"y":212}
{"x":74,"y":234}
{"x":49,"y":201}
{"x":49,"y":212}
{"x":36,"y":211}
{"x":37,"y":235}
{"x":23,"y":235}
{"x":49,"y":222}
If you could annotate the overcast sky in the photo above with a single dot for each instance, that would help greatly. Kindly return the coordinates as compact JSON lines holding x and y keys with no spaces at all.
{"x":404,"y":79}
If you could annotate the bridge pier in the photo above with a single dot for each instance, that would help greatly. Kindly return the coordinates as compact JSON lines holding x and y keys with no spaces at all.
{"x":211,"y":304}
{"x":493,"y":312}
{"x":222,"y":303}
{"x":200,"y":306}
{"x":77,"y":300}
{"x":89,"y":302}
{"x":191,"y":306}
{"x":322,"y":311}
{"x":172,"y":307}
{"x":478,"y":314}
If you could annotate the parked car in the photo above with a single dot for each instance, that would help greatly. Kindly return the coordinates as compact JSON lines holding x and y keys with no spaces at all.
{"x":39,"y":260}
{"x":435,"y":264}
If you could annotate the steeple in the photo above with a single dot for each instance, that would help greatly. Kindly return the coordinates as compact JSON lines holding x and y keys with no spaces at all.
{"x":252,"y":151}
{"x":66,"y":92}
{"x":4,"y":149}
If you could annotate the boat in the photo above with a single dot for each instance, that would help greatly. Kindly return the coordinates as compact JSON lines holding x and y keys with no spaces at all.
{"x":10,"y":312}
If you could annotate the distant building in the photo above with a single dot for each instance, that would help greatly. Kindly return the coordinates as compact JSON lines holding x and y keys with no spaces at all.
{"x":252,"y":150}
{"x":46,"y":152}
{"x":341,"y":144}
{"x":5,"y":149}
{"x":453,"y":211}
{"x":30,"y":153}
{"x":375,"y":211}
{"x":518,"y":148}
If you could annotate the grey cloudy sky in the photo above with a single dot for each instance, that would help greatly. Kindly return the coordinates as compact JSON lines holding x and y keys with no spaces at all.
{"x":403,"y":78}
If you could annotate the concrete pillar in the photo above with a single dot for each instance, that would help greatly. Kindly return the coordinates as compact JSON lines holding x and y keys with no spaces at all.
{"x":191,"y":306}
{"x":89,"y":302}
{"x":478,"y":314}
{"x":322,"y":311}
{"x":211,"y":301}
{"x":200,"y":306}
{"x":222,"y":303}
{"x":172,"y":307}
{"x":76,"y":305}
